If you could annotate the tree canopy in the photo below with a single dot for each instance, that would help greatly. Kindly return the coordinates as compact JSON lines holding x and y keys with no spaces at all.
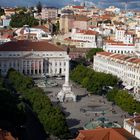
{"x":125,"y":100}
{"x":92,"y":52}
{"x":93,"y":81}
{"x":39,"y":7}
{"x":21,"y":18}
{"x":50,"y":116}
{"x":1,"y":11}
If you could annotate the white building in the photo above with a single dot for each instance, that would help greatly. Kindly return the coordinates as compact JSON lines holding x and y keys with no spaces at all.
{"x":132,"y":125}
{"x":49,"y":13}
{"x":118,"y":47}
{"x":35,"y":33}
{"x":124,"y":67}
{"x":87,"y":38}
{"x":32,"y":58}
{"x":124,"y":36}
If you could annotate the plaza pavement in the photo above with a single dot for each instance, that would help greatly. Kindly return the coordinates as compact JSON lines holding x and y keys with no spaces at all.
{"x":77,"y":118}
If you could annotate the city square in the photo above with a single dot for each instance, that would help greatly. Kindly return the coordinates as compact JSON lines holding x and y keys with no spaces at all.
{"x":88,"y":107}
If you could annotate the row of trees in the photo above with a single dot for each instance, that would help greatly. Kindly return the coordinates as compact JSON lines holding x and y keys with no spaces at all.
{"x":125,"y":100}
{"x":22,"y":18}
{"x":93,"y":81}
{"x":51,"y":117}
{"x":11,"y":108}
{"x":96,"y":82}
{"x":92,"y":52}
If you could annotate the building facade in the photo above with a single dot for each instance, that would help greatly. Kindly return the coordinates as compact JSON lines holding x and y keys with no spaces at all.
{"x":32,"y":58}
{"x":132,"y":125}
{"x":124,"y":67}
{"x":118,"y":47}
{"x":49,"y":13}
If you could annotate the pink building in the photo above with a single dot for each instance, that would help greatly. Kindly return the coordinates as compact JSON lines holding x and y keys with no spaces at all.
{"x":49,"y":13}
{"x":81,"y":22}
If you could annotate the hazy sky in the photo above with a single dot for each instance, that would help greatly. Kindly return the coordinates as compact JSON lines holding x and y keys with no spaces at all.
{"x":59,"y":3}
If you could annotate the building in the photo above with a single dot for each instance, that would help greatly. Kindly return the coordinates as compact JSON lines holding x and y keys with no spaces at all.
{"x":124,"y":36}
{"x":66,"y":23}
{"x":6,"y":35}
{"x":36,"y":33}
{"x":49,"y":13}
{"x":105,"y":134}
{"x":118,"y":47}
{"x":124,"y":67}
{"x":9,"y":11}
{"x":81,"y":22}
{"x":32,"y":58}
{"x":86,"y":38}
{"x":5,"y":21}
{"x":132,"y":125}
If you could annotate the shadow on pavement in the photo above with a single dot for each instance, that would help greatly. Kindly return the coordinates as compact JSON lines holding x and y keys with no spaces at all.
{"x":72,"y":122}
{"x":79,"y":97}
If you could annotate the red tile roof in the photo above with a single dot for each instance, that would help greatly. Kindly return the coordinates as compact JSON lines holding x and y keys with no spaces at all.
{"x":118,"y":43}
{"x":4,"y":135}
{"x":105,"y":134}
{"x":26,"y":45}
{"x":44,"y":28}
{"x":78,"y":7}
{"x":88,"y":32}
{"x":105,"y":53}
{"x":120,"y":57}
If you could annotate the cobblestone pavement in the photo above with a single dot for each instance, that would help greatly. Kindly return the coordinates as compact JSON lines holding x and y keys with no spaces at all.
{"x":76,"y":118}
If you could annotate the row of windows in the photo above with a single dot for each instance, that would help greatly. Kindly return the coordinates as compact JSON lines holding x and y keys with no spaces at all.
{"x":84,"y":37}
{"x":37,"y":54}
{"x":120,"y":51}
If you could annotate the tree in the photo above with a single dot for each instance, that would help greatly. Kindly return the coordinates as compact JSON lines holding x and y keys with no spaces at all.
{"x":39,"y":7}
{"x":21,"y":18}
{"x":93,"y":81}
{"x":51,"y":117}
{"x":1,"y":11}
{"x":92,"y":52}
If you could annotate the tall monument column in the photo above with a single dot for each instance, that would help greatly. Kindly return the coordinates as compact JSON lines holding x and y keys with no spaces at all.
{"x":66,"y":91}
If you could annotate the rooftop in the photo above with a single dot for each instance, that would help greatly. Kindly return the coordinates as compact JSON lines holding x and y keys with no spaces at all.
{"x":122,"y":57}
{"x":105,"y":134}
{"x":26,"y":45}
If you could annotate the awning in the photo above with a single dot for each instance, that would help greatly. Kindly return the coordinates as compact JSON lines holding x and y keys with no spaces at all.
{"x":129,"y":87}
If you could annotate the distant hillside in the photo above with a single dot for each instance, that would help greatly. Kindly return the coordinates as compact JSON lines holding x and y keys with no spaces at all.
{"x":60,"y":3}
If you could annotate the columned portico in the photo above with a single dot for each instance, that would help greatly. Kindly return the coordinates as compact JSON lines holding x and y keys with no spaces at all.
{"x":66,"y":91}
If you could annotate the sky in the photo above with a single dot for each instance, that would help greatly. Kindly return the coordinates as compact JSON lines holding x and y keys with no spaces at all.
{"x":132,"y":4}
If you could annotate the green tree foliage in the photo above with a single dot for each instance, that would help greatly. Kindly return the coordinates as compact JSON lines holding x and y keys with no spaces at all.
{"x":1,"y":11}
{"x":12,"y":110}
{"x":125,"y":100}
{"x":21,"y":18}
{"x":93,"y":81}
{"x":51,"y":117}
{"x":39,"y":7}
{"x":92,"y":52}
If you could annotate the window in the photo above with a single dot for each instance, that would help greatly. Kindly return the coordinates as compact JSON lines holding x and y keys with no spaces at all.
{"x":55,"y":63}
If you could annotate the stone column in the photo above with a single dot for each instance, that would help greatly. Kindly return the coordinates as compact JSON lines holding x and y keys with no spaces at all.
{"x":25,"y":66}
{"x":30,"y":67}
{"x":34,"y":64}
{"x":42,"y":67}
{"x":67,"y":71}
{"x":37,"y":66}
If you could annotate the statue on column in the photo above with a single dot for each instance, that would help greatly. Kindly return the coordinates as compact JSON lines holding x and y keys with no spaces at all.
{"x":66,"y":91}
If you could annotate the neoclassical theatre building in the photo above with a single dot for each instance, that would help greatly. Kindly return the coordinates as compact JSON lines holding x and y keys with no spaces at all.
{"x":32,"y":58}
